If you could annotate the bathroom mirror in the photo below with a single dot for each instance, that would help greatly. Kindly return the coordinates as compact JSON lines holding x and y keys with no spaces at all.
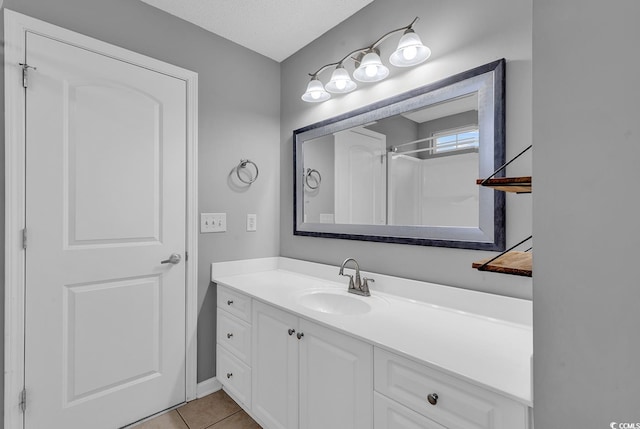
{"x":404,"y":170}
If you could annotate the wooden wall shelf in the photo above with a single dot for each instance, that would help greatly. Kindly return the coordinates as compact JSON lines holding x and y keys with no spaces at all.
{"x":513,"y":262}
{"x":520,"y":185}
{"x":510,"y":261}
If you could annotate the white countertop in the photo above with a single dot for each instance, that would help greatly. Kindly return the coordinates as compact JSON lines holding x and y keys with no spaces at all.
{"x":487,"y":347}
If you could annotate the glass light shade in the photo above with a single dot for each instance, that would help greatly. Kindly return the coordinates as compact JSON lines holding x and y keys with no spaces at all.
{"x":371,"y":69}
{"x":410,"y":51}
{"x":340,"y":82}
{"x":315,"y":92}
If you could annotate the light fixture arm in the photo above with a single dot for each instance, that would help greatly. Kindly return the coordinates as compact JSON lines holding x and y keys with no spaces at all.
{"x":365,"y":49}
{"x":323,"y":68}
{"x":384,"y":37}
{"x":338,"y":63}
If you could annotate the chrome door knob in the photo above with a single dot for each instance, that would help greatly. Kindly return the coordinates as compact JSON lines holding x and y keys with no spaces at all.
{"x":174,"y":259}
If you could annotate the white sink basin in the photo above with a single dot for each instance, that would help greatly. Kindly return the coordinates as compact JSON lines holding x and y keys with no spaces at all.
{"x":340,"y":303}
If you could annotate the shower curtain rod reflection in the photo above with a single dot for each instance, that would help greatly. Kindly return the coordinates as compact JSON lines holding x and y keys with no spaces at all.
{"x":441,"y":149}
{"x":432,"y":138}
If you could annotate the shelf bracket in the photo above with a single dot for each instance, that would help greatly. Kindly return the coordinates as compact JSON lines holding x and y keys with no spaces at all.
{"x":483,"y":267}
{"x":505,"y":165}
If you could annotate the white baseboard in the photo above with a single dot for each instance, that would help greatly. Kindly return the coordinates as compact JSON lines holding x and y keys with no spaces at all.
{"x":207,"y":387}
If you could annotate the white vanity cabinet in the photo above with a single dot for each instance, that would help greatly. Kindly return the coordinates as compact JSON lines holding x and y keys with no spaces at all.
{"x":412,"y":395}
{"x":402,"y":364}
{"x":307,"y":376}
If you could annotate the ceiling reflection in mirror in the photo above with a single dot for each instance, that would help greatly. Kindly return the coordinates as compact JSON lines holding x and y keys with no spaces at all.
{"x":406,"y":172}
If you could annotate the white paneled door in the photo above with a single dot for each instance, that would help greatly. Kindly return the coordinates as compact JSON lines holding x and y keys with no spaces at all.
{"x":105,"y":204}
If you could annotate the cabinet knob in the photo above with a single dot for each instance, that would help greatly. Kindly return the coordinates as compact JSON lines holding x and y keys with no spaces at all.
{"x":291,"y":331}
{"x":229,"y":302}
{"x":229,"y":374}
{"x":229,"y":335}
{"x":299,"y":335}
{"x":432,"y":398}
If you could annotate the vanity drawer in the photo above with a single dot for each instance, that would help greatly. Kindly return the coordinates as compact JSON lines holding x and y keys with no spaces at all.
{"x":459,"y":405}
{"x":234,"y":375}
{"x":389,"y":414}
{"x":234,"y":335}
{"x":235,"y":303}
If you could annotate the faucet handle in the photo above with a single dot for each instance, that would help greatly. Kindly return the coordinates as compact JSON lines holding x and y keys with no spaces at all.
{"x":351,"y":286}
{"x":365,"y":285}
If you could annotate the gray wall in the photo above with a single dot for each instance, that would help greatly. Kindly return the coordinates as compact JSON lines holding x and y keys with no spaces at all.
{"x":238,"y":118}
{"x":585,"y":213}
{"x":462,"y":34}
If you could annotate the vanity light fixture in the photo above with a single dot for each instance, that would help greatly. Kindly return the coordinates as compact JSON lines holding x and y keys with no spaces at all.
{"x":410,"y":50}
{"x":315,"y":92}
{"x":340,"y":82}
{"x":369,"y":66}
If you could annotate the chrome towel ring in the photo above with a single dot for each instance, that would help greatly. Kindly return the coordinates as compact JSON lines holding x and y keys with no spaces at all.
{"x":315,"y":177}
{"x":243,"y":164}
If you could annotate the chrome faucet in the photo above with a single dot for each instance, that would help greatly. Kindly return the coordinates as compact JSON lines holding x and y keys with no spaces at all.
{"x":359,"y":286}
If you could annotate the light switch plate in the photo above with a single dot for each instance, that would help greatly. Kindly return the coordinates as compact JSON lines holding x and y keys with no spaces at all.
{"x":213,"y":222}
{"x":252,"y":222}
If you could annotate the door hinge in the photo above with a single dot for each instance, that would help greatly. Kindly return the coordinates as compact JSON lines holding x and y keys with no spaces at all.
{"x":24,"y":238}
{"x":186,"y":256}
{"x":23,"y":400}
{"x":25,"y":73}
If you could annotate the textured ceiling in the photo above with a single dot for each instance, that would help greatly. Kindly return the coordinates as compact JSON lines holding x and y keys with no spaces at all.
{"x":273,"y":28}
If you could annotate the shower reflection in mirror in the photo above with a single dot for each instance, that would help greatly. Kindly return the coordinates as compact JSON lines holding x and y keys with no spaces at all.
{"x":417,"y":168}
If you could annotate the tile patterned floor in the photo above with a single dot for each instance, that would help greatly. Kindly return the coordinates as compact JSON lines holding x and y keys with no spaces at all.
{"x":215,"y":411}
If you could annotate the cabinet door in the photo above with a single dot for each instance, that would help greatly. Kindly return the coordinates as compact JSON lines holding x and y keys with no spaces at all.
{"x":336,"y":380}
{"x":275,"y":367}
{"x":234,"y":375}
{"x":234,"y":335}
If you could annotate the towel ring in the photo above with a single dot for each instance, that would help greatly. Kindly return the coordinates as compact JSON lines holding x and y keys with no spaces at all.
{"x":243,"y":164}
{"x":317,"y":178}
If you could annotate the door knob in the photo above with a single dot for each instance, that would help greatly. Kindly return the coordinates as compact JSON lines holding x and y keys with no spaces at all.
{"x":175,"y":258}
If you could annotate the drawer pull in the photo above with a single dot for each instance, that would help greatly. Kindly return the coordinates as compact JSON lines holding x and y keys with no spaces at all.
{"x":291,"y":331}
{"x":299,"y":335}
{"x":229,"y":374}
{"x":229,"y":302}
{"x":229,"y":335}
{"x":432,"y":398}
